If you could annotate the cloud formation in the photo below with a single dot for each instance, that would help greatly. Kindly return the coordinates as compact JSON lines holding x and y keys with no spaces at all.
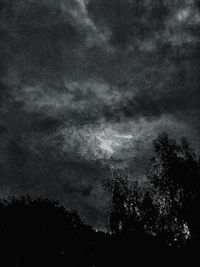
{"x":129,"y":22}
{"x":75,"y":75}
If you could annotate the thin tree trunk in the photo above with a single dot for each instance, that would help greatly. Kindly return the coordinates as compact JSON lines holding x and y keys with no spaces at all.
{"x":18,"y":259}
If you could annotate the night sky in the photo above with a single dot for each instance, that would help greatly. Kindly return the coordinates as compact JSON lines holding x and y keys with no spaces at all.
{"x":86,"y":82}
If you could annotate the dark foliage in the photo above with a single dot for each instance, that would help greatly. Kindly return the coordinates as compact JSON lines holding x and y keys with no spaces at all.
{"x":162,"y":219}
{"x":39,"y":232}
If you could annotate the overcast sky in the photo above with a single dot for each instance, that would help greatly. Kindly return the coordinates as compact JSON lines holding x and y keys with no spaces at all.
{"x":87,"y":81}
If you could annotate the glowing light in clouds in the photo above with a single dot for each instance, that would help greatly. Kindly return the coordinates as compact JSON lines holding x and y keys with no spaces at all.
{"x":128,"y":136}
{"x":110,"y":144}
{"x":107,"y":145}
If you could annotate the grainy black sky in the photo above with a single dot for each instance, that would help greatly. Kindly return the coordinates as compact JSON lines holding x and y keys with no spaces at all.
{"x":86,"y":80}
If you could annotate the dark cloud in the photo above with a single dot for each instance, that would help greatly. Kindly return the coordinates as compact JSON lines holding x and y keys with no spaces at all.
{"x":73,"y":77}
{"x":129,"y":21}
{"x":42,"y":38}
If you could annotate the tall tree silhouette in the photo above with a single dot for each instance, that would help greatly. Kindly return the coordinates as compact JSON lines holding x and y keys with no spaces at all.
{"x":118,"y":187}
{"x":174,"y":174}
{"x":124,"y":216}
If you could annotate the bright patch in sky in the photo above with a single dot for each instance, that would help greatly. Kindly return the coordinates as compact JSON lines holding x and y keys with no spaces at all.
{"x":128,"y":136}
{"x":110,"y":144}
{"x":106,"y":145}
{"x":183,"y":14}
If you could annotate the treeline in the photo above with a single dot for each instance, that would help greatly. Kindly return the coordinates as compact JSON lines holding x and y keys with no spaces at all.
{"x":160,"y":219}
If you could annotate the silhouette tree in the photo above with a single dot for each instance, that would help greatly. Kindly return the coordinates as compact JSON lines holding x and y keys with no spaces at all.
{"x":118,"y":187}
{"x":125,"y":199}
{"x":39,"y":232}
{"x":174,"y":174}
{"x":148,"y":213}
